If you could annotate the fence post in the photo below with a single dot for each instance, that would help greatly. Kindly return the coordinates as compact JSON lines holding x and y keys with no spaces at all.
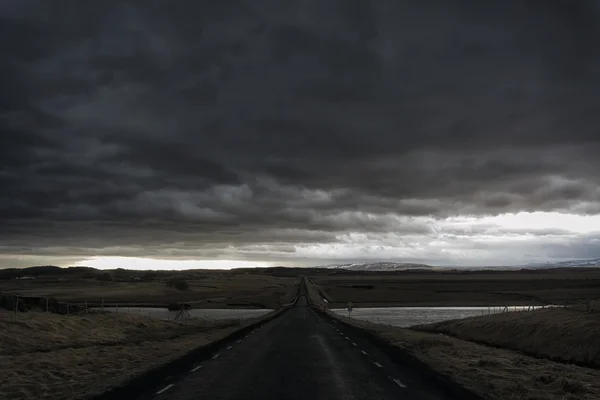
{"x":117,"y":308}
{"x":102,"y":305}
{"x":16,"y":306}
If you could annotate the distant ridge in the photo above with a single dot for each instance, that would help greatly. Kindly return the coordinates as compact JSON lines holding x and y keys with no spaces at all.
{"x":592,"y":262}
{"x":377,"y":266}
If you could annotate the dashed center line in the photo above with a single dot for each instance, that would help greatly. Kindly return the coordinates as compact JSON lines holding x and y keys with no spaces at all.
{"x":239,"y":341}
{"x":196,"y":369}
{"x":378,"y":365}
{"x":215,"y":356}
{"x":347,"y":338}
{"x":397,"y":382}
{"x":354,"y":344}
{"x":161,"y":391}
{"x":364,"y":352}
{"x":229,"y":347}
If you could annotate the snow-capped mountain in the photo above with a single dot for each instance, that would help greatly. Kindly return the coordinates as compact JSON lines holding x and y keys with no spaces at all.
{"x":378,"y":266}
{"x":593,"y":262}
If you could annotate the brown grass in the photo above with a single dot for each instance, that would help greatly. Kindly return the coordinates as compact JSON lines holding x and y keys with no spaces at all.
{"x":47,"y":356}
{"x":210,"y":290}
{"x":556,"y":334}
{"x":495,"y":374}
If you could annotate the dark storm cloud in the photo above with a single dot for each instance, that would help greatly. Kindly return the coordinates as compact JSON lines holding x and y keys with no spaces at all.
{"x":209,"y":124}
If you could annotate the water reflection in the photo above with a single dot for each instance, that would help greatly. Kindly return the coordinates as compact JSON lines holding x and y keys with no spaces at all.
{"x":409,"y":316}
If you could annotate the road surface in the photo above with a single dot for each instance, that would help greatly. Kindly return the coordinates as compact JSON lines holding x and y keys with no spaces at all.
{"x":299,"y":355}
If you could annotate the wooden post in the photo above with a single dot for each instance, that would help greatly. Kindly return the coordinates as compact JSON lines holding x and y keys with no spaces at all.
{"x":102,"y":305}
{"x":117,"y":308}
{"x":16,"y":306}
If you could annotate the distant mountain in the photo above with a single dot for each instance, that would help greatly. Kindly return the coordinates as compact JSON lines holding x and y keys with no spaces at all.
{"x":593,"y":262}
{"x":378,"y":266}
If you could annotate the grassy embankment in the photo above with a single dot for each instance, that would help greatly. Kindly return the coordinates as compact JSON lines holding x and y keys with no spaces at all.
{"x":556,"y":334}
{"x":49,"y":356}
{"x":493,"y":373}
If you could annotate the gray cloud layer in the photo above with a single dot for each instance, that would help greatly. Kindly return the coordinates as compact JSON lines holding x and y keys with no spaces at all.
{"x":219,"y":125}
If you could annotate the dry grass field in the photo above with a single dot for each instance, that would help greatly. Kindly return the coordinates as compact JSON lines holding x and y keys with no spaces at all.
{"x":556,"y":334}
{"x":207,"y":289}
{"x":48,"y":356}
{"x":472,"y":288}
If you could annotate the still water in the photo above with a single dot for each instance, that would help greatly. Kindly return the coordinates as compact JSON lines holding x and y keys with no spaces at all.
{"x":409,"y":316}
{"x":163,"y":313}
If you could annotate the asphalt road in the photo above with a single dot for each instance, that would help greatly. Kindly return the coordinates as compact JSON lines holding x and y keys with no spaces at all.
{"x":299,"y":355}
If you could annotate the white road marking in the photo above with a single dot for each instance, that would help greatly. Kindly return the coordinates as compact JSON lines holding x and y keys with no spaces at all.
{"x":246,"y":337}
{"x":402,"y":385}
{"x":364,"y":352}
{"x":196,"y":369}
{"x":347,"y":338}
{"x":161,"y":391}
{"x":378,"y":365}
{"x":341,"y":334}
{"x":239,"y":341}
{"x":229,"y":348}
{"x":215,"y":356}
{"x":354,"y":344}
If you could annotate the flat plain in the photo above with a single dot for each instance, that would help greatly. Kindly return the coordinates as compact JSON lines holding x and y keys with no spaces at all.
{"x":459,"y":288}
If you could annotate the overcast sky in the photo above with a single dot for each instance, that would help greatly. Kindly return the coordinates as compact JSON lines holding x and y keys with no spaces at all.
{"x":299,"y":132}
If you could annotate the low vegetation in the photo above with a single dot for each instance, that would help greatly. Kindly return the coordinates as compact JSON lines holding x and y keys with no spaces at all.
{"x":48,"y":356}
{"x":554,"y":333}
{"x":178,"y":284}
